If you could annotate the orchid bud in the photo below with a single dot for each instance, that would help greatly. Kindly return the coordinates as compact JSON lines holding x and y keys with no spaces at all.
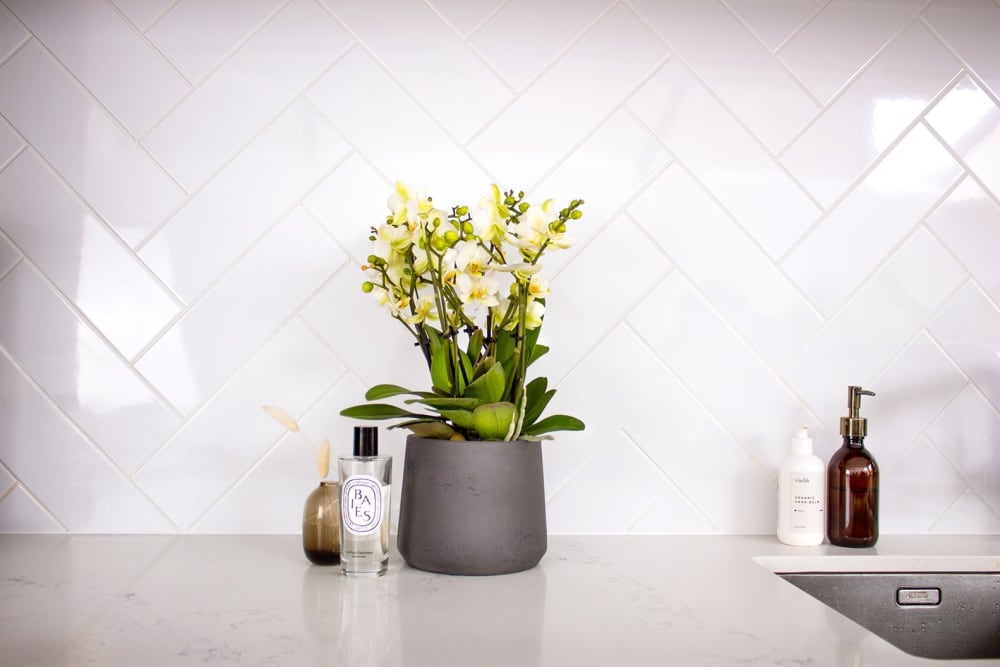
{"x":451,"y":237}
{"x":367,"y":287}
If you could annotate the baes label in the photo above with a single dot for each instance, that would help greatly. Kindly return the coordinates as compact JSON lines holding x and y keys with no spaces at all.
{"x":361,"y":504}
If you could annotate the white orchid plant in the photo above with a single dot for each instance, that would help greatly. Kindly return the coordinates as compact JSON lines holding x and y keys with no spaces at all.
{"x":467,"y":287}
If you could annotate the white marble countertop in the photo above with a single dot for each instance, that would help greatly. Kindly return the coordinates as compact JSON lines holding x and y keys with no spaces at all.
{"x":255,"y":600}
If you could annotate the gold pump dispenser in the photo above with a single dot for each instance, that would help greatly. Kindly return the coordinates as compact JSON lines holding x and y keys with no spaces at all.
{"x":854,"y":425}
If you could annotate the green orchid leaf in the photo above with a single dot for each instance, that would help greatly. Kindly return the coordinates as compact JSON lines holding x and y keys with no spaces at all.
{"x":378,"y":411}
{"x":475,"y":348}
{"x":505,"y":346}
{"x":537,"y":353}
{"x":460,"y":418}
{"x":428,"y":429}
{"x":554,"y":423}
{"x":492,"y":421}
{"x":380,"y":391}
{"x":538,"y":396}
{"x":435,"y":402}
{"x":440,"y":377}
{"x":488,"y":388}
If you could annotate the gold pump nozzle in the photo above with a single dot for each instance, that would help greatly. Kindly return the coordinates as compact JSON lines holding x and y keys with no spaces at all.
{"x":854,"y":425}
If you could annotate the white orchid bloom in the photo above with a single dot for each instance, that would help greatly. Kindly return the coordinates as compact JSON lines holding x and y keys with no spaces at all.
{"x":533,"y":315}
{"x":538,"y":288}
{"x":490,"y":221}
{"x":476,"y":294}
{"x":424,"y":307}
{"x":408,"y":204}
{"x":471,"y":258}
{"x":385,"y":299}
{"x":534,"y":230}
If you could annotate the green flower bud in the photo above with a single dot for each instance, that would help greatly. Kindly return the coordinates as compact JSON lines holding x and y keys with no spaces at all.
{"x":523,"y":206}
{"x":451,"y":237}
{"x":467,"y":227}
{"x":557,"y":227}
{"x":462,"y":210}
{"x":577,"y":214}
{"x":439,"y":244}
{"x":372,"y":259}
{"x":367,"y":287}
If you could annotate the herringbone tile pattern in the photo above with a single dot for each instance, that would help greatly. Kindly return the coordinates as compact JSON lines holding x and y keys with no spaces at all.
{"x":783,"y":198}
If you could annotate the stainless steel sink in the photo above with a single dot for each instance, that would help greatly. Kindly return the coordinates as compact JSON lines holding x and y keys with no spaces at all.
{"x":943,"y":615}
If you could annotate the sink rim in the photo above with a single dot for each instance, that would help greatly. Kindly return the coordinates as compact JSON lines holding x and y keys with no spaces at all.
{"x":876,"y":563}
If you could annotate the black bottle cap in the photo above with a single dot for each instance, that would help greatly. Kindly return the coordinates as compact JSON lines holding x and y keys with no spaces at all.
{"x":366,"y":441}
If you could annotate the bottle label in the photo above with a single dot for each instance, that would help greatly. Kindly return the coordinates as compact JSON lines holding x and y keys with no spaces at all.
{"x":807,"y":503}
{"x":361,"y":504}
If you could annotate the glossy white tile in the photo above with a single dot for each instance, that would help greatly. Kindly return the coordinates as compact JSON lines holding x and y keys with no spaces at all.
{"x":465,"y":15}
{"x":217,"y":335}
{"x":576,"y":94}
{"x":700,"y":457}
{"x":78,"y":372}
{"x":50,"y":457}
{"x":229,"y":107}
{"x":12,"y":33}
{"x":542,"y":30}
{"x":845,"y":35}
{"x":588,"y":300}
{"x":81,"y":257}
{"x":19,"y":513}
{"x":74,"y":135}
{"x":197,"y":36}
{"x":141,"y":12}
{"x":969,"y":121}
{"x":10,"y":143}
{"x":969,"y":224}
{"x":871,"y":221}
{"x":628,"y":373}
{"x":745,"y":178}
{"x":463,"y":108}
{"x":606,"y":171}
{"x":970,"y":27}
{"x":673,"y":514}
{"x":884,"y":315}
{"x":911,"y":392}
{"x":215,"y":227}
{"x":108,"y":56}
{"x":774,"y":21}
{"x":221,"y":443}
{"x":720,"y":369}
{"x":349,"y":202}
{"x":727,"y":266}
{"x":969,"y":514}
{"x":618,"y":471}
{"x":870,"y":115}
{"x":8,"y":256}
{"x":384,"y":120}
{"x":715,"y":44}
{"x":963,"y":433}
{"x":924,"y":485}
{"x":969,"y":330}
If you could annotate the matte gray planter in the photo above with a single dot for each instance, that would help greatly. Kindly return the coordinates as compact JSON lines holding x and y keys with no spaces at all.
{"x":472,"y":507}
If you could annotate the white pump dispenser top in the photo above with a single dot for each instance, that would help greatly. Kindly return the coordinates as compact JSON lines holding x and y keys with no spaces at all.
{"x":801,"y":442}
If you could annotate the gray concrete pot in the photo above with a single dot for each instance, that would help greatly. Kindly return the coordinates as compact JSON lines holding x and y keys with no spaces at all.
{"x":472,"y":507}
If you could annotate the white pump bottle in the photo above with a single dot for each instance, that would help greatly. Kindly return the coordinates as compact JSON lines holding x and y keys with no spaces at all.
{"x":802,"y":494}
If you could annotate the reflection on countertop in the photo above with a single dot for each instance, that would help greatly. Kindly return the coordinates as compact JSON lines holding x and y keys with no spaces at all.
{"x":593,"y":600}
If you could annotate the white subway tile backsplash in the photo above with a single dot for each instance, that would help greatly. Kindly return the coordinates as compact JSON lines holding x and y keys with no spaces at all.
{"x":969,"y":121}
{"x":92,"y":385}
{"x":720,"y":369}
{"x":11,"y":33}
{"x":81,"y":257}
{"x":218,"y":334}
{"x":216,"y":225}
{"x":870,"y":115}
{"x":968,"y":222}
{"x":117,"y":178}
{"x":223,"y":440}
{"x":50,"y":457}
{"x":733,"y":165}
{"x":542,"y":30}
{"x":418,"y":69}
{"x":726,"y":265}
{"x":569,"y":100}
{"x":970,"y":27}
{"x":196,"y":36}
{"x":240,"y":97}
{"x":837,"y":42}
{"x":384,"y":119}
{"x":968,"y":328}
{"x":783,"y":197}
{"x":108,"y":56}
{"x":863,"y":229}
{"x":684,"y":440}
{"x":886,"y":313}
{"x":709,"y":38}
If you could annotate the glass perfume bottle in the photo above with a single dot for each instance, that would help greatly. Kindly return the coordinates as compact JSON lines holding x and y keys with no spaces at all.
{"x":365,"y":491}
{"x":321,"y":524}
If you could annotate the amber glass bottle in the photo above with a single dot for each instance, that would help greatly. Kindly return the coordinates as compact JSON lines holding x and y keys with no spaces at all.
{"x":852,"y":483}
